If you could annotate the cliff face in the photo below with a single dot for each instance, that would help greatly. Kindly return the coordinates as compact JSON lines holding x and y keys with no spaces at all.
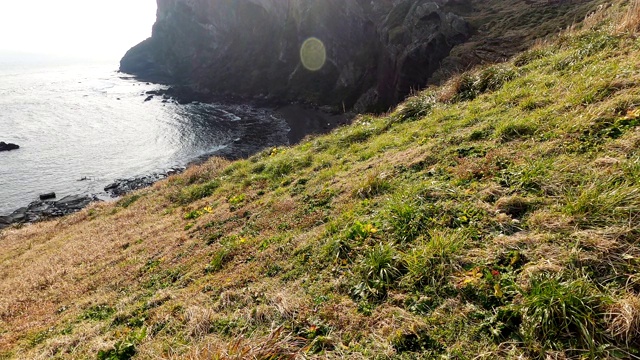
{"x":376,"y":51}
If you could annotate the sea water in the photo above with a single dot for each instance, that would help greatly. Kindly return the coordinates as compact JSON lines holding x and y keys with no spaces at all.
{"x":81,"y":125}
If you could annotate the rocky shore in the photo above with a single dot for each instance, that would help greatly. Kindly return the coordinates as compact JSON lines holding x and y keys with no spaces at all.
{"x":46,"y":208}
{"x":123,"y":186}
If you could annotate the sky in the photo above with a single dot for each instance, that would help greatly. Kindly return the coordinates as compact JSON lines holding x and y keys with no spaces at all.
{"x":75,"y":28}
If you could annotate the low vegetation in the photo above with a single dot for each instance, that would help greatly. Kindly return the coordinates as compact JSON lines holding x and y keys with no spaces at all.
{"x":494,"y":217}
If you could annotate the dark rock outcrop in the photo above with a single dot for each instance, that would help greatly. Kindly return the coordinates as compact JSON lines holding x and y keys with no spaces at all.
{"x":48,"y":196}
{"x":376,"y":51}
{"x":124,"y":186}
{"x":42,"y":210}
{"x":8,"y":146}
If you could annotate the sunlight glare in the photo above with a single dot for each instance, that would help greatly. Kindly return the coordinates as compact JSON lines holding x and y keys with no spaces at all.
{"x":313,"y":54}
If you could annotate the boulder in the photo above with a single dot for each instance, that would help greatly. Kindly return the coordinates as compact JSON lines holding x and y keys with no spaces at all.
{"x":48,"y":196}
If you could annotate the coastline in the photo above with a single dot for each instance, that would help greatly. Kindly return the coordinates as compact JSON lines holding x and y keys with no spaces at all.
{"x":303,"y":121}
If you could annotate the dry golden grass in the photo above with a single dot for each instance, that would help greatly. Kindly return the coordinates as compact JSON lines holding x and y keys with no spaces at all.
{"x":630,"y":20}
{"x":624,"y":319}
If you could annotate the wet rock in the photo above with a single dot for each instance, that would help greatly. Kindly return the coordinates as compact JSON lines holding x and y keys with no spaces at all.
{"x":48,"y":196}
{"x":123,"y":186}
{"x":149,"y":98}
{"x":47,"y":209}
{"x":8,"y":146}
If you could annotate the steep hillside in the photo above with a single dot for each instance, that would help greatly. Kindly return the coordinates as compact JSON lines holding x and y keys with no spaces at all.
{"x":493,"y":217}
{"x":369,"y":56}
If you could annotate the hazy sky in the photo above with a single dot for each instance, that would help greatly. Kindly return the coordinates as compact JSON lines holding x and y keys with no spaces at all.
{"x":87,"y":28}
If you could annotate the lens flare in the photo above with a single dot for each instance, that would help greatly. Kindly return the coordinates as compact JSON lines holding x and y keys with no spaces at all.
{"x":313,"y":54}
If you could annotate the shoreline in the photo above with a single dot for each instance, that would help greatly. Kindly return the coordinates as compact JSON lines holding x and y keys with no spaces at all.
{"x":303,"y":121}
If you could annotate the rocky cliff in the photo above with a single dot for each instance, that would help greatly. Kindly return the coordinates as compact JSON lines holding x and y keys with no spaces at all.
{"x":369,"y":56}
{"x":376,"y":51}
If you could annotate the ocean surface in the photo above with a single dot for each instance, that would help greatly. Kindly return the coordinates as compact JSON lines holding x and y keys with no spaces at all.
{"x":79,"y":120}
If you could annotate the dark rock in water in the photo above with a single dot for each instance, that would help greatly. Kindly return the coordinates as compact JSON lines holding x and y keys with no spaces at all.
{"x":8,"y":146}
{"x":43,"y":210}
{"x":48,"y":196}
{"x":149,"y":98}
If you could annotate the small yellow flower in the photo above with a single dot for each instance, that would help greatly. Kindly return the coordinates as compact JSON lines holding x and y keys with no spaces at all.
{"x":208,"y":209}
{"x":370,"y":229}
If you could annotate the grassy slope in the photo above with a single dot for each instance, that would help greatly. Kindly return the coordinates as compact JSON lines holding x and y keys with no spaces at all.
{"x":496,"y":217}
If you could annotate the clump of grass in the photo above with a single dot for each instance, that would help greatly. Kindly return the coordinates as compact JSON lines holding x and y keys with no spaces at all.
{"x":529,"y":56}
{"x":284,"y":164}
{"x":415,"y":339}
{"x":603,"y":203}
{"x":361,"y":231}
{"x":562,"y":315}
{"x":98,"y":313}
{"x":512,"y":130}
{"x":124,"y":349}
{"x":372,"y":186}
{"x":378,"y":271}
{"x":192,"y":193}
{"x":431,"y":261}
{"x":128,"y":200}
{"x":468,"y":86}
{"x":417,"y":106}
{"x":217,"y":262}
{"x":277,"y":345}
{"x":623,"y":318}
{"x":411,"y":217}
